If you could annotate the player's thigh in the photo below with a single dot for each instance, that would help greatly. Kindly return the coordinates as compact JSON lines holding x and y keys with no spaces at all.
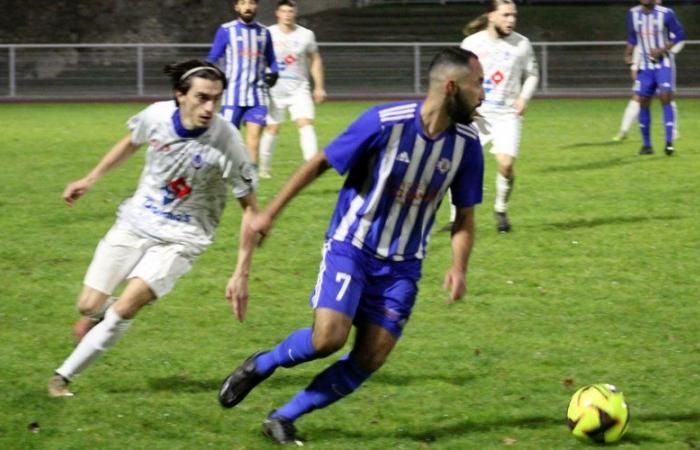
{"x":341,"y":279}
{"x":276,"y":110}
{"x":646,"y":85}
{"x":665,"y":80}
{"x":506,"y":135}
{"x":115,"y":257}
{"x":162,"y":265}
{"x":372,"y":346}
{"x":302,"y":106}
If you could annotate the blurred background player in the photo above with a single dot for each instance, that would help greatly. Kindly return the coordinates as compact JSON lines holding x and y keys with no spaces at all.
{"x":631,"y":112}
{"x":510,"y":78}
{"x":378,"y":235}
{"x":245,"y":65}
{"x":297,"y":56}
{"x":194,"y":156}
{"x":656,"y":30}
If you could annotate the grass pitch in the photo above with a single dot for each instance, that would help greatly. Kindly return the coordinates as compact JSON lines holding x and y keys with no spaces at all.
{"x":597,"y":283}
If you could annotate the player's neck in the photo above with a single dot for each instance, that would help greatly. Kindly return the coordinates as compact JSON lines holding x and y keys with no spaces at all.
{"x":493,"y":33}
{"x":434,"y":118}
{"x":287,"y":28}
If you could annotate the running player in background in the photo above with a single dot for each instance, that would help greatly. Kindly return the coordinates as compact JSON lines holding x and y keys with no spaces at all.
{"x":656,"y":30}
{"x":632,"y":109}
{"x":400,"y":159}
{"x":297,"y":56}
{"x":194,"y":156}
{"x":246,"y":47}
{"x":510,"y":78}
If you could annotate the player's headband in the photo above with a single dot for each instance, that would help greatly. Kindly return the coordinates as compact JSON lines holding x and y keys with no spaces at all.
{"x":197,"y":69}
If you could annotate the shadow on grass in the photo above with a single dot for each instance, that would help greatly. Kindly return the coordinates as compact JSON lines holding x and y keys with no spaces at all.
{"x":607,"y":143}
{"x":593,"y":165}
{"x":599,"y":221}
{"x":180,"y":383}
{"x":464,"y":427}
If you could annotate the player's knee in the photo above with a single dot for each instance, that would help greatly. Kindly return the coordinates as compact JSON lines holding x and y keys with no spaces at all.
{"x":327,"y":341}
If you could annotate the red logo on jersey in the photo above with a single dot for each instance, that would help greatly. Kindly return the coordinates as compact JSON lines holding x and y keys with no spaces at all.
{"x":176,"y":189}
{"x":497,"y":77}
{"x":290,"y":59}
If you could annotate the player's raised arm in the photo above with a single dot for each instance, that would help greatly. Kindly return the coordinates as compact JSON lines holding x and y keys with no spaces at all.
{"x":121,"y":151}
{"x":237,"y":288}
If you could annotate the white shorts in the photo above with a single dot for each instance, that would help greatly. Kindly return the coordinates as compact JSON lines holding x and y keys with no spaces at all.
{"x":502,"y":131}
{"x":299,"y":103}
{"x":122,"y":255}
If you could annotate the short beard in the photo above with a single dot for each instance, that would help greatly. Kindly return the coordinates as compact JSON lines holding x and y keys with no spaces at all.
{"x":501,"y":33}
{"x":457,"y":112}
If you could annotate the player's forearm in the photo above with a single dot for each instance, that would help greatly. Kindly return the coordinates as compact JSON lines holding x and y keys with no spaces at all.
{"x":247,"y":239}
{"x":307,"y":173}
{"x":529,"y":87}
{"x":463,"y":239}
{"x":629,"y":49}
{"x":121,"y":151}
{"x":317,"y":73}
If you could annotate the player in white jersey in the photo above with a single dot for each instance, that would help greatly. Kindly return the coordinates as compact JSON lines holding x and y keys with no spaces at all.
{"x":631,"y":112}
{"x":510,"y":79}
{"x":194,"y":156}
{"x":297,"y":56}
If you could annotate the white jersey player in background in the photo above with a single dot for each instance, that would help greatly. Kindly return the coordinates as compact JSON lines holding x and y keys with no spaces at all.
{"x":297,"y":57}
{"x":632,"y":109}
{"x":510,"y":79}
{"x":194,"y":156}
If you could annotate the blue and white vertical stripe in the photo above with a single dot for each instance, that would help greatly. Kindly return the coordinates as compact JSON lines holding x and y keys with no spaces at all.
{"x":653,"y":30}
{"x":388,"y":203}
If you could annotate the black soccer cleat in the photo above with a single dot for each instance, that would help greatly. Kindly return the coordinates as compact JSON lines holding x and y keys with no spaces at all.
{"x":502,"y":223}
{"x":281,"y":430}
{"x":646,"y":150}
{"x":241,"y":381}
{"x":669,"y":149}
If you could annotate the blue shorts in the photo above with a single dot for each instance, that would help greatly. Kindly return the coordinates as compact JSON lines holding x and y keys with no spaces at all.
{"x":366,"y":288}
{"x":649,"y":80}
{"x":238,"y":114}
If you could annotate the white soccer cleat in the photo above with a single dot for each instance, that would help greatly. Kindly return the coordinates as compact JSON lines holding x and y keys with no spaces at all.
{"x":58,"y":387}
{"x":619,"y":137}
{"x":264,"y":174}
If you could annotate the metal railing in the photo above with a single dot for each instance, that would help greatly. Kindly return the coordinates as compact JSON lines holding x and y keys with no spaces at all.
{"x":132,"y":71}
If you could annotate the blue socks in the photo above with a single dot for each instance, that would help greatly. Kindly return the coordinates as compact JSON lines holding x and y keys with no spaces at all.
{"x":337,"y":381}
{"x":644,"y":125}
{"x":669,"y":121}
{"x":295,"y":349}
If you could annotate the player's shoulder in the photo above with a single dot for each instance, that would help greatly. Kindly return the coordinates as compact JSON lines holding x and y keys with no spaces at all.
{"x":229,"y":25}
{"x":663,"y":9}
{"x":475,"y":37}
{"x":470,"y":132}
{"x":635,"y":9}
{"x":516,"y":38}
{"x":396,"y":112}
{"x":274,"y":28}
{"x":161,"y":110}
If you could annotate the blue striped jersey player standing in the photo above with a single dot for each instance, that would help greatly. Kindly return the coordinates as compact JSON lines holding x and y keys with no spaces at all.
{"x":247,"y":52}
{"x":399,"y":160}
{"x":656,"y":30}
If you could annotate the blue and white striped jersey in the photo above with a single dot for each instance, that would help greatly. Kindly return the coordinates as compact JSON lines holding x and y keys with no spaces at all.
{"x":653,"y":30}
{"x":397,"y":179}
{"x":248,"y":52}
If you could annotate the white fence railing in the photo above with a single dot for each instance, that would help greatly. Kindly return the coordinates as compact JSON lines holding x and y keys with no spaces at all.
{"x":352,"y":69}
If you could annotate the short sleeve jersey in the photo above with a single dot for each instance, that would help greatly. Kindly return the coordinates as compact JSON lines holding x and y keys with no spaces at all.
{"x":292,"y":53}
{"x":187,"y":173}
{"x":506,"y":62}
{"x":653,"y":30}
{"x":397,"y":178}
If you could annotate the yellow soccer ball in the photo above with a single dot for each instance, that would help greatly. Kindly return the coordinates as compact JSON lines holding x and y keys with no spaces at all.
{"x":598,"y":413}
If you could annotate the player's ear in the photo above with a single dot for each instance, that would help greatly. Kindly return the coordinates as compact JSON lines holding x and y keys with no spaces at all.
{"x":450,"y":87}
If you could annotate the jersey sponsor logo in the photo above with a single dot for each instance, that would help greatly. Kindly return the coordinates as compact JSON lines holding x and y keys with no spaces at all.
{"x":290,"y":59}
{"x":498,"y":77}
{"x":151,"y":205}
{"x":176,"y":189}
{"x":406,"y":192}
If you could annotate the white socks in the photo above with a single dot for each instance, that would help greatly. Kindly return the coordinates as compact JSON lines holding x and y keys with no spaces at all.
{"x":503,"y":188}
{"x":267,"y":147}
{"x":103,"y":336}
{"x":629,"y":116}
{"x":308,"y":141}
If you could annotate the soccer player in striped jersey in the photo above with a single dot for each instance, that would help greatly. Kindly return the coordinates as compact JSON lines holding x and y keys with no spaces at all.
{"x":193,"y":158}
{"x":246,"y":47}
{"x":656,"y":30}
{"x":400,"y":160}
{"x":511,"y":75}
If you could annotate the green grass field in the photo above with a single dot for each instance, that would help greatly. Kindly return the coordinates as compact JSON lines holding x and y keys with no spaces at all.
{"x":597,"y":283}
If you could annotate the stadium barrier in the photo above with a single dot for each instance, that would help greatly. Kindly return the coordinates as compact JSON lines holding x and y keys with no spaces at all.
{"x":353,"y":70}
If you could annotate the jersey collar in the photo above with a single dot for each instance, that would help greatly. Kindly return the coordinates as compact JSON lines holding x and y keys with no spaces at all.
{"x":182,"y":131}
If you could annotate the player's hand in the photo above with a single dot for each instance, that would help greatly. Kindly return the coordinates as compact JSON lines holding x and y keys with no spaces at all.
{"x":319,"y":95}
{"x":628,"y":60}
{"x":520,"y":106}
{"x":237,"y":295}
{"x":261,"y":223}
{"x":270,"y":78}
{"x":75,"y":190}
{"x":456,"y":284}
{"x":656,"y":53}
